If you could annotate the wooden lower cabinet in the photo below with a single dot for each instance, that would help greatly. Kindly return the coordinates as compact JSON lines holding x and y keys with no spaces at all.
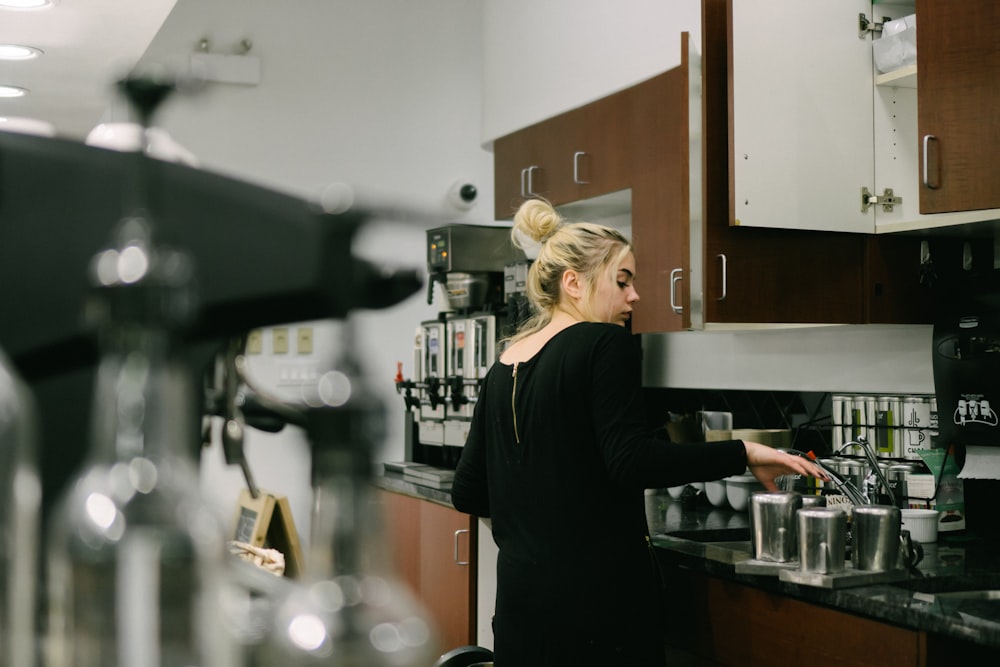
{"x":743,"y":626}
{"x":733,"y":624}
{"x":434,"y":549}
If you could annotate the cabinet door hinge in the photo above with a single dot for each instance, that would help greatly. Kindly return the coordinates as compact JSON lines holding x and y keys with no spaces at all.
{"x":887,"y":200}
{"x":865,"y":26}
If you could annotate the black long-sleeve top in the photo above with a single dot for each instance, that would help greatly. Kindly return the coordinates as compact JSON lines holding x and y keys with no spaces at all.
{"x":558,"y":456}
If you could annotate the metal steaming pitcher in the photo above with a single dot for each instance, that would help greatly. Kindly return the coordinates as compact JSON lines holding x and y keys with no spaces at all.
{"x":774,"y":533}
{"x":878,"y":543}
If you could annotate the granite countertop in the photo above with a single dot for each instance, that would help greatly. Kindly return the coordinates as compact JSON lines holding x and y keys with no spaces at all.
{"x":916,"y":601}
{"x":394,"y":481}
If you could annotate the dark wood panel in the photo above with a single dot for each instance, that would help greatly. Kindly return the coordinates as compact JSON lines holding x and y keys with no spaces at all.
{"x":448,"y":589}
{"x":402,"y":518}
{"x":958,"y":63}
{"x":743,"y":627}
{"x":660,"y":198}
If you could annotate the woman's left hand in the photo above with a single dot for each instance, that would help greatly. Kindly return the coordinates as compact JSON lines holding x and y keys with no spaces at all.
{"x":767,"y":463}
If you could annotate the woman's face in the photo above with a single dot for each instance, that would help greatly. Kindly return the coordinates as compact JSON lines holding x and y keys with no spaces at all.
{"x":615,"y":293}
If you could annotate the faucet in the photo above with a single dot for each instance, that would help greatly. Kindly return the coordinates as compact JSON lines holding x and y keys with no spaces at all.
{"x":846,"y":486}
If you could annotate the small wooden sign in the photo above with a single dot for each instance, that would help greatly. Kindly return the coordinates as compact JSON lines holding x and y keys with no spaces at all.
{"x":266,"y":521}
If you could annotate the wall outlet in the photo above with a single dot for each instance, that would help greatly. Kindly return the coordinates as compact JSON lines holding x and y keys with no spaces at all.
{"x":279,"y":340}
{"x":255,"y":342}
{"x":305,"y":340}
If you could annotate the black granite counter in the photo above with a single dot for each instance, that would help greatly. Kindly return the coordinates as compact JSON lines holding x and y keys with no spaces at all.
{"x":392,"y":481}
{"x":923,"y":600}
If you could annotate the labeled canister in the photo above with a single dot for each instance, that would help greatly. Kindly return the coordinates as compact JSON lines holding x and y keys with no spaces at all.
{"x":889,"y":427}
{"x":917,"y":427}
{"x":854,"y":471}
{"x":863,"y":418}
{"x":840,"y":409}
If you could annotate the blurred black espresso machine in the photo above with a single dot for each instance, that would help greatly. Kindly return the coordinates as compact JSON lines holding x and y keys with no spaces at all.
{"x":482,"y":276}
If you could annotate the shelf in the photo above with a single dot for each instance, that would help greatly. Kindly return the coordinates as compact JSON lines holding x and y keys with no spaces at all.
{"x":904,"y":77}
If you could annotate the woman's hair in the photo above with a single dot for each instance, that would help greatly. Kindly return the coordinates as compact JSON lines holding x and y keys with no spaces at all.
{"x":588,"y":249}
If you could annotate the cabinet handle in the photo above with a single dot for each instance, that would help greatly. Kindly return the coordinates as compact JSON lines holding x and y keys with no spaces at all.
{"x":576,"y":168}
{"x":724,"y":277}
{"x":524,"y":173}
{"x":675,"y":276}
{"x":530,"y":191}
{"x":926,"y":163}
{"x":457,"y":533}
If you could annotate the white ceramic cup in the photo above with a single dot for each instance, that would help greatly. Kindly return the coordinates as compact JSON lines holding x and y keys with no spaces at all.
{"x":922,"y":524}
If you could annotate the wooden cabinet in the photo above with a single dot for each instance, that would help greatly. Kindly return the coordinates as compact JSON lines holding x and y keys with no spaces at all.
{"x":730,"y":624}
{"x":635,"y":141}
{"x":434,"y":552}
{"x":685,"y":168}
{"x":720,"y":622}
{"x":810,"y":127}
{"x":765,"y":275}
{"x":958,"y":57}
{"x":577,"y":155}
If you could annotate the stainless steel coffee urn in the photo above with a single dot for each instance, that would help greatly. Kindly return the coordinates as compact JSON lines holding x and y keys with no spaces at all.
{"x":453,"y":352}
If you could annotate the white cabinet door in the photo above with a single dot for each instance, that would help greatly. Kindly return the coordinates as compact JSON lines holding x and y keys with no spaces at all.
{"x":802,"y":114}
{"x":811,"y":127}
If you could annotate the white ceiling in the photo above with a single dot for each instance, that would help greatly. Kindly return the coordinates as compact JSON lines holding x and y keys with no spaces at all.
{"x":87,"y":45}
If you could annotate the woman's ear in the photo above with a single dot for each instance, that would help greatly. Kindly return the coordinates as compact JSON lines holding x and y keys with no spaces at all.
{"x":571,"y":285}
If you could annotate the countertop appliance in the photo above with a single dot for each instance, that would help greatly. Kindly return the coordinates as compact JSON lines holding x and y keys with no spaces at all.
{"x":453,"y":352}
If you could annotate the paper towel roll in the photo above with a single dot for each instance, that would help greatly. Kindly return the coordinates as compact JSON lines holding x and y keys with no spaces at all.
{"x":981,"y":462}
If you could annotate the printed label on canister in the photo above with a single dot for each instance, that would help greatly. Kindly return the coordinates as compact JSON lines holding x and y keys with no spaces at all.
{"x":888,"y":426}
{"x":863,"y":418}
{"x":916,"y":425}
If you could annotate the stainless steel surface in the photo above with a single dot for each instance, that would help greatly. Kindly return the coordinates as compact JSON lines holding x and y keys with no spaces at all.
{"x":822,"y":537}
{"x":813,"y":501}
{"x":773,"y":527}
{"x":576,"y":168}
{"x":466,"y":290}
{"x":676,"y":276}
{"x":725,"y":277}
{"x":875,"y":532}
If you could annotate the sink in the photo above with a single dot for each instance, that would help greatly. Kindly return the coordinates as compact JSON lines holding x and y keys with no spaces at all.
{"x":713,"y":535}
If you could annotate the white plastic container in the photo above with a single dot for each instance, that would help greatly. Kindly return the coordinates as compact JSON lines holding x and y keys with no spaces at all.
{"x":897,"y":47}
{"x":922,"y":524}
{"x":739,"y":488}
{"x":715,"y":491}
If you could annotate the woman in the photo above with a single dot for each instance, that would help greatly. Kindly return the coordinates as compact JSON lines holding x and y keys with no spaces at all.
{"x":559,"y":454}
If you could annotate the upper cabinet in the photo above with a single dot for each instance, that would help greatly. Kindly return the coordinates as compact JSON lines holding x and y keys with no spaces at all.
{"x":818,"y":144}
{"x":623,"y":160}
{"x":577,"y":155}
{"x":958,"y":59}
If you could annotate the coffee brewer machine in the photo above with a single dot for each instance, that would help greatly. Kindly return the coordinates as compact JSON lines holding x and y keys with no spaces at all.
{"x":453,"y":352}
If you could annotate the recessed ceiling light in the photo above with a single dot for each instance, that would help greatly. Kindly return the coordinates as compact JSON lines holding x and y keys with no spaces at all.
{"x":12,"y":91}
{"x":18,"y":52}
{"x":26,"y":4}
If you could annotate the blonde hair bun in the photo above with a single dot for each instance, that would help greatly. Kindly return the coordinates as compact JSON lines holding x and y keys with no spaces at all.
{"x":536,"y":220}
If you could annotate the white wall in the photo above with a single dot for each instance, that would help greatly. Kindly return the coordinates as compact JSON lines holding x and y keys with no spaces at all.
{"x":384,"y":95}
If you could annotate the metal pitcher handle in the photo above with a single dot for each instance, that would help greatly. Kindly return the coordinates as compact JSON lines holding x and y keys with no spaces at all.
{"x":910,"y":552}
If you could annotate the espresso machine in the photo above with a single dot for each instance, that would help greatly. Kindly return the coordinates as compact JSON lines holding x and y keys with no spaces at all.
{"x":263,"y":257}
{"x":453,"y":352}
